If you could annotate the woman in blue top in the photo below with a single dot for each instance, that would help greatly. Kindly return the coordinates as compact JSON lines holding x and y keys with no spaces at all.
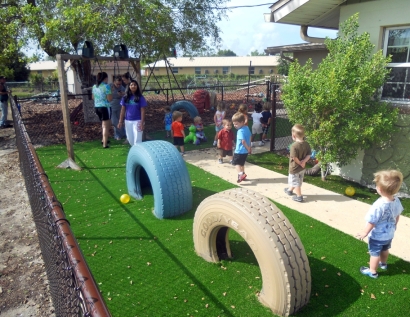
{"x":102,"y":96}
{"x":133,"y":111}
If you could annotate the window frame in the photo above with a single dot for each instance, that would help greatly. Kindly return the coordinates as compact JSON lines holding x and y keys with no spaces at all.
{"x":197,"y":70}
{"x":406,"y":82}
{"x":225,"y":70}
{"x":175,"y":70}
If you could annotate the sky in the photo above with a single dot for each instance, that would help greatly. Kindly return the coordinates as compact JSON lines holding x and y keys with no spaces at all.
{"x":245,"y":30}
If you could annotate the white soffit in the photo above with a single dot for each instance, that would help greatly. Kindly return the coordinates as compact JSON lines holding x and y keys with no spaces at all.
{"x":315,"y":13}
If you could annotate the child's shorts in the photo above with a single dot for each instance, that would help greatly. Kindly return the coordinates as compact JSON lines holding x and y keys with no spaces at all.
{"x":296,"y":180}
{"x":178,"y":140}
{"x":256,"y":129}
{"x":265,"y":129}
{"x":168,"y":127}
{"x":376,"y":246}
{"x":239,"y":159}
{"x":219,"y":128}
{"x":224,"y":153}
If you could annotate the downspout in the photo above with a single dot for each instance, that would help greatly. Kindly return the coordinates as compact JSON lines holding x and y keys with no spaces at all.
{"x":307,"y":38}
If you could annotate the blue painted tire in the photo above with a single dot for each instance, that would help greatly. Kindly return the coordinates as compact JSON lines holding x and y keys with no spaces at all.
{"x":187,"y":106}
{"x":167,"y":173}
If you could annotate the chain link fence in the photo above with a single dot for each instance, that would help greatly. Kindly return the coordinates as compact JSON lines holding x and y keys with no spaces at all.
{"x":43,"y":117}
{"x":72,"y":286}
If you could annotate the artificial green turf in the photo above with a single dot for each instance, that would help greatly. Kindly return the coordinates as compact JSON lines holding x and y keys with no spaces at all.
{"x":148,"y":267}
{"x":337,"y":184}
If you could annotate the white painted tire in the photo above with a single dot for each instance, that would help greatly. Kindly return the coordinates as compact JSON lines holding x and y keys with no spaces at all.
{"x":286,"y":280}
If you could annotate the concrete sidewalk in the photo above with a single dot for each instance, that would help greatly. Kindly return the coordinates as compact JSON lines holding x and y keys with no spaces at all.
{"x":337,"y":211}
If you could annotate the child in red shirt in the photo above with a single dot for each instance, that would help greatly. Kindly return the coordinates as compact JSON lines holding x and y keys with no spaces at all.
{"x":177,"y":130}
{"x":225,"y":141}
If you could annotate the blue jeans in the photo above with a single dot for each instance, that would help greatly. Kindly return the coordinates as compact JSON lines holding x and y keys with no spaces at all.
{"x":4,"y":110}
{"x":376,"y":246}
{"x":115,"y":118}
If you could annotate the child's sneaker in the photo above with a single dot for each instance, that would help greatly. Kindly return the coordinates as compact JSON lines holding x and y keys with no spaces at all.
{"x":366,"y":271}
{"x":241,"y":177}
{"x":220,"y":161}
{"x":383,"y":266}
{"x":297,"y":198}
{"x":215,"y":143}
{"x":252,"y":144}
{"x":289,"y":192}
{"x":261,"y":143}
{"x":182,"y":153}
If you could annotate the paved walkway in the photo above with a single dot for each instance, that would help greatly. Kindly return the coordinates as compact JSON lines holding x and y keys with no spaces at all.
{"x":337,"y":211}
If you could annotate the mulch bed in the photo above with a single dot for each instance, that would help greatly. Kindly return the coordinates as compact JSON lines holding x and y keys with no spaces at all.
{"x":44,"y":121}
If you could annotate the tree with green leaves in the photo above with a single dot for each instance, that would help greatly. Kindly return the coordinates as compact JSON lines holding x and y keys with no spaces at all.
{"x":256,"y":53}
{"x":284,"y":64}
{"x":225,"y":53}
{"x":147,"y":28}
{"x":339,"y":102}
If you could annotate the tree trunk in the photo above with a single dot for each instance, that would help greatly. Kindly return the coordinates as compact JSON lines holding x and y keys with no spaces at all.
{"x":323,"y":172}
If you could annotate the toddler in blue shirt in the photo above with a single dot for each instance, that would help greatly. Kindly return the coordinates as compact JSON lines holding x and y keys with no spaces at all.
{"x":382,"y":219}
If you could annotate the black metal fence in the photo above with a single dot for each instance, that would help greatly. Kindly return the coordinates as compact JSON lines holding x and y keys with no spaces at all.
{"x":43,"y":117}
{"x":72,"y":287}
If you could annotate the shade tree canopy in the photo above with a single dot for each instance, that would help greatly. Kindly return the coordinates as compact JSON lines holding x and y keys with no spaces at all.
{"x":147,"y":28}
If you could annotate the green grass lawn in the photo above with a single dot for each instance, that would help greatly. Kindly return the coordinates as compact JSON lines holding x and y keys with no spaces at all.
{"x":148,"y":267}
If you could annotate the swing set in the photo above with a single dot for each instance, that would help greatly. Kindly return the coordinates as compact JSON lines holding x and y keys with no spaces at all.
{"x":83,"y":63}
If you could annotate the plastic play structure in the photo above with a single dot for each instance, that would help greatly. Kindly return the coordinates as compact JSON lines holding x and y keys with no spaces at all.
{"x":286,"y":280}
{"x":166,"y":172}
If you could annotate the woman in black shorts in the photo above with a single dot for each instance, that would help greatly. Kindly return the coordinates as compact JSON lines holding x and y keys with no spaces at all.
{"x":102,"y":97}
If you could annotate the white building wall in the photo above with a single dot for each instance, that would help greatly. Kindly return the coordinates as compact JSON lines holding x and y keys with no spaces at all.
{"x":376,"y":15}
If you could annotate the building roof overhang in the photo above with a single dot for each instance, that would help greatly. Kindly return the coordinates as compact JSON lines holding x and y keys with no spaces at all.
{"x":315,"y":13}
{"x":295,"y":48}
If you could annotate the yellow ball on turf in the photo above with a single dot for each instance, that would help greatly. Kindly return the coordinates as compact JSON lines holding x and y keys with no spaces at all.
{"x":125,"y":198}
{"x":350,"y":191}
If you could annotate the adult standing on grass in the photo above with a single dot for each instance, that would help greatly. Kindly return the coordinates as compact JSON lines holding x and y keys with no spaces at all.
{"x":102,"y":97}
{"x":4,"y":97}
{"x":133,"y":113}
{"x":118,"y":91}
{"x":382,"y":219}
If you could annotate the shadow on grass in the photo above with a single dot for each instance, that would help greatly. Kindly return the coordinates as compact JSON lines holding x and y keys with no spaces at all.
{"x":165,"y":249}
{"x":330,"y":285}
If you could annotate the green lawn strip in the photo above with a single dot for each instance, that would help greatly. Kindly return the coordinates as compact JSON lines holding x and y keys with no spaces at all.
{"x":337,"y":184}
{"x":148,"y":267}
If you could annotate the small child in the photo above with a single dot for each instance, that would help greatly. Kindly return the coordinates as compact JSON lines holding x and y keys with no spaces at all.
{"x":225,"y":141}
{"x":178,"y":133}
{"x":200,"y":135}
{"x":243,"y":145}
{"x":243,"y":108}
{"x":218,"y":117}
{"x":266,"y":118}
{"x":257,"y":125}
{"x":299,"y":155}
{"x":382,"y":219}
{"x":168,"y":121}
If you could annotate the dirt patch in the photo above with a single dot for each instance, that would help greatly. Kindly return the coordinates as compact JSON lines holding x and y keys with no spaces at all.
{"x":23,"y":280}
